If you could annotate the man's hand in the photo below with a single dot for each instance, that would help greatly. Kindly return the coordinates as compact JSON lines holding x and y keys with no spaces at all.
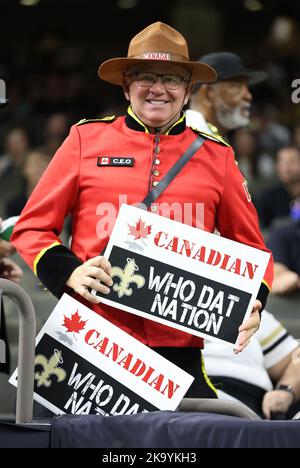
{"x":88,"y":275}
{"x":276,"y":401}
{"x":248,"y":328}
{"x":6,"y":249}
{"x":10,"y":270}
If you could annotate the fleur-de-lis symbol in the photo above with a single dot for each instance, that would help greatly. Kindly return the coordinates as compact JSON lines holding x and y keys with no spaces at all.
{"x":50,"y":368}
{"x":127,"y":276}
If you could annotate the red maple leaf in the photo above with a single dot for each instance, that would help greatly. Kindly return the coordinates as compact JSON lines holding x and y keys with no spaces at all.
{"x":74,"y":324}
{"x":140,"y":230}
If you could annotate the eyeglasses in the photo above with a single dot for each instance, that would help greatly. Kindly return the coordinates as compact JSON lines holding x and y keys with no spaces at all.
{"x":147,"y":79}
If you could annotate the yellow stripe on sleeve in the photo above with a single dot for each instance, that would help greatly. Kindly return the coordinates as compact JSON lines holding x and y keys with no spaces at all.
{"x":42,"y":252}
{"x":266,"y":284}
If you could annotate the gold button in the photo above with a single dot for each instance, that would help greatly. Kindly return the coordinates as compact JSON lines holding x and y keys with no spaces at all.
{"x":154,"y":184}
{"x":157,"y":162}
{"x":153,"y":208}
{"x":156,"y":173}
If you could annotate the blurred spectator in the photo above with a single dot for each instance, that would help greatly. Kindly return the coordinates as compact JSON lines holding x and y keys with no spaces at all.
{"x":272,"y":135}
{"x":276,"y":201}
{"x":56,"y":130}
{"x":285,"y":245}
{"x":8,"y":270}
{"x":247,"y":151}
{"x":254,"y":377}
{"x":252,"y":162}
{"x":34,"y":166}
{"x":6,"y":249}
{"x":16,"y":148}
{"x":296,"y":136}
{"x":225,"y":105}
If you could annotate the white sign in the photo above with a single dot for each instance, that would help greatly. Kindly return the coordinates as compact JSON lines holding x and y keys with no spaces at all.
{"x":181,"y":276}
{"x":86,"y":365}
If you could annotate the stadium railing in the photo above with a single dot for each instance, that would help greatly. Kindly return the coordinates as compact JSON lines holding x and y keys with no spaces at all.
{"x":226,"y":407}
{"x":27,"y":333}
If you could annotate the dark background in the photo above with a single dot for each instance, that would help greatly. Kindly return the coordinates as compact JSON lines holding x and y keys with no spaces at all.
{"x":50,"y":52}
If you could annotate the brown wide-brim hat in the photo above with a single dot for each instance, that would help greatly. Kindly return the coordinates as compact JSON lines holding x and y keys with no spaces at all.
{"x":156,"y":43}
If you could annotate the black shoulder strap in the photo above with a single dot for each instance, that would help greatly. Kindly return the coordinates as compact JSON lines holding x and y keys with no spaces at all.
{"x":167,"y":179}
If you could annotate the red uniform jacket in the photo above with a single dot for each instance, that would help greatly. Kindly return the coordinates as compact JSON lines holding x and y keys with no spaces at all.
{"x":75,"y":183}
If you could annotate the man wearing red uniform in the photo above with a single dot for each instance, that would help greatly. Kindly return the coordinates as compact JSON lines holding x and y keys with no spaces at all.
{"x":103,"y":159}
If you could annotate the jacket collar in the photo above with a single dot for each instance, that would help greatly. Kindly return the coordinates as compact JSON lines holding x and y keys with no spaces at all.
{"x":134,"y":123}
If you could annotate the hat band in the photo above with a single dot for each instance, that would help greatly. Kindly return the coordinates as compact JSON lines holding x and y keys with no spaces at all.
{"x":164,"y":56}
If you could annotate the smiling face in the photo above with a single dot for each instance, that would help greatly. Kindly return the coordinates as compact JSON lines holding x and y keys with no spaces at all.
{"x":156,"y":105}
